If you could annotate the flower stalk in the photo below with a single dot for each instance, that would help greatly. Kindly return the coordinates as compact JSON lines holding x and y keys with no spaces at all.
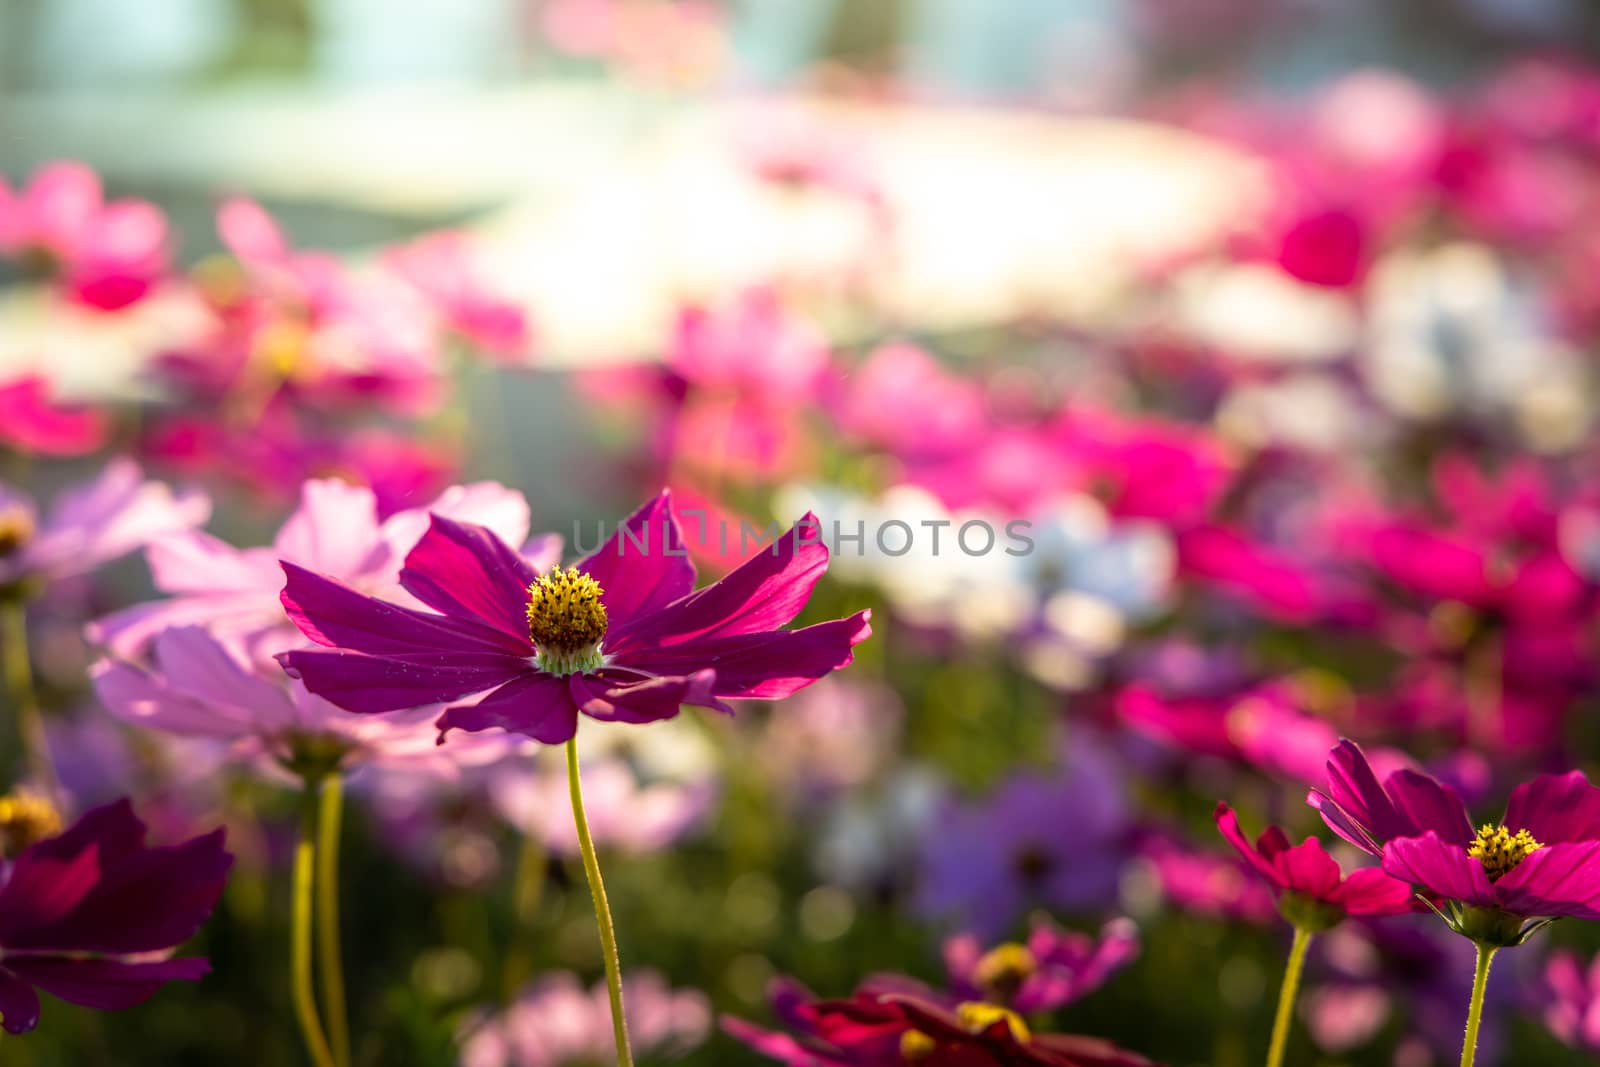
{"x":330,"y":817}
{"x":1480,"y":982}
{"x":602,"y":910}
{"x":1286,"y":996}
{"x":18,"y":669}
{"x":301,"y":984}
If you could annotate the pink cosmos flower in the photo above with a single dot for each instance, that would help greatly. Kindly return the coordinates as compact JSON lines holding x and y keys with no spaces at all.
{"x":31,"y":422}
{"x":1205,"y":882}
{"x":623,"y":812}
{"x":1052,"y":969}
{"x":91,"y":915}
{"x":555,"y":1022}
{"x":105,"y":255}
{"x":445,"y":269}
{"x":621,"y":636}
{"x":90,"y":524}
{"x":1312,"y":892}
{"x":337,"y":530}
{"x":197,"y":688}
{"x":1540,"y":861}
{"x":1573,"y":1011}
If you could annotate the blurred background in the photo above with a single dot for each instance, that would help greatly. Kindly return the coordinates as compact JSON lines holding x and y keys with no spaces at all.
{"x":1216,"y":293}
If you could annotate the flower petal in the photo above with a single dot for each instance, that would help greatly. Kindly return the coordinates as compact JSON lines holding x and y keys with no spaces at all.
{"x":331,"y":613}
{"x":537,"y":705}
{"x":367,"y":684}
{"x":761,"y":666}
{"x":1308,"y":869}
{"x":1439,"y":867}
{"x":1556,"y":807}
{"x":644,"y":565}
{"x":105,"y":984}
{"x":1560,"y":879}
{"x":1370,"y":891}
{"x":763,"y":593}
{"x":604,"y":695}
{"x":467,"y":572}
{"x":19,"y":1004}
{"x":1228,"y":824}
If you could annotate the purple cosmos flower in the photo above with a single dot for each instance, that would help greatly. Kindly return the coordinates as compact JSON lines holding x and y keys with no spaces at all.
{"x":1040,"y":839}
{"x":92,"y":914}
{"x":198,"y":688}
{"x":336,"y":530}
{"x":1542,"y":860}
{"x":89,"y":525}
{"x":1054,"y":968}
{"x":555,"y":1021}
{"x":621,"y":636}
{"x":1313,"y":893}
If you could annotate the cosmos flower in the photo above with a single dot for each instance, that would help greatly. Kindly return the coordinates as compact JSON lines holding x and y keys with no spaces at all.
{"x":104,"y":255}
{"x":1540,"y":861}
{"x":984,"y":863}
{"x":556,"y":1022}
{"x":1312,"y":892}
{"x":445,"y":268}
{"x":89,"y":525}
{"x":890,"y":1020}
{"x":1205,"y":882}
{"x":31,"y":422}
{"x":92,"y":915}
{"x":196,"y":687}
{"x":1573,"y":1010}
{"x":621,"y":636}
{"x":1052,"y":969}
{"x":337,"y":530}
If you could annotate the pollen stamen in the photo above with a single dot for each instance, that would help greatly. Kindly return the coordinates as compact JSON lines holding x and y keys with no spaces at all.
{"x":26,"y":818}
{"x":976,"y":1016}
{"x":1499,"y":850}
{"x":1002,"y":970}
{"x":567,"y":621}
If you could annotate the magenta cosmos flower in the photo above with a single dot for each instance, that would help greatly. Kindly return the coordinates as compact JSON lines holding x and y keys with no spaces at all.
{"x":1313,"y":893}
{"x":92,"y":915}
{"x":1540,"y":861}
{"x":622,"y":636}
{"x":32,"y":421}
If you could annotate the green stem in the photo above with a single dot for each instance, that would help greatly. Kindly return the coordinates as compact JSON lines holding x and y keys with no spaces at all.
{"x":330,"y":815}
{"x":602,"y":910}
{"x":1291,"y":987}
{"x":301,"y":985}
{"x":1480,"y":982}
{"x":19,"y":684}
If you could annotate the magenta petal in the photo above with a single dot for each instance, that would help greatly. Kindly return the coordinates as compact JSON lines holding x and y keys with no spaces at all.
{"x":19,"y":1004}
{"x":644,"y":565}
{"x":467,"y":572}
{"x":607,"y":696}
{"x":762,"y":666}
{"x":1308,"y":869}
{"x":105,"y":984}
{"x":1556,"y":807}
{"x":1422,"y":803}
{"x":331,"y":613}
{"x":370,"y":684}
{"x":1228,"y":824}
{"x":763,"y":593}
{"x":1560,"y":879}
{"x":1370,"y":891}
{"x":536,"y":705}
{"x":1440,"y":867}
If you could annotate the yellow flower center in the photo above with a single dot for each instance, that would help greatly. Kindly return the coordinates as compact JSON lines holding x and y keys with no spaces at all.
{"x":1499,"y":850}
{"x":977,"y":1016}
{"x":1004,"y":968}
{"x":916,"y":1045}
{"x":26,"y":818}
{"x":567,"y":621}
{"x":16,"y":528}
